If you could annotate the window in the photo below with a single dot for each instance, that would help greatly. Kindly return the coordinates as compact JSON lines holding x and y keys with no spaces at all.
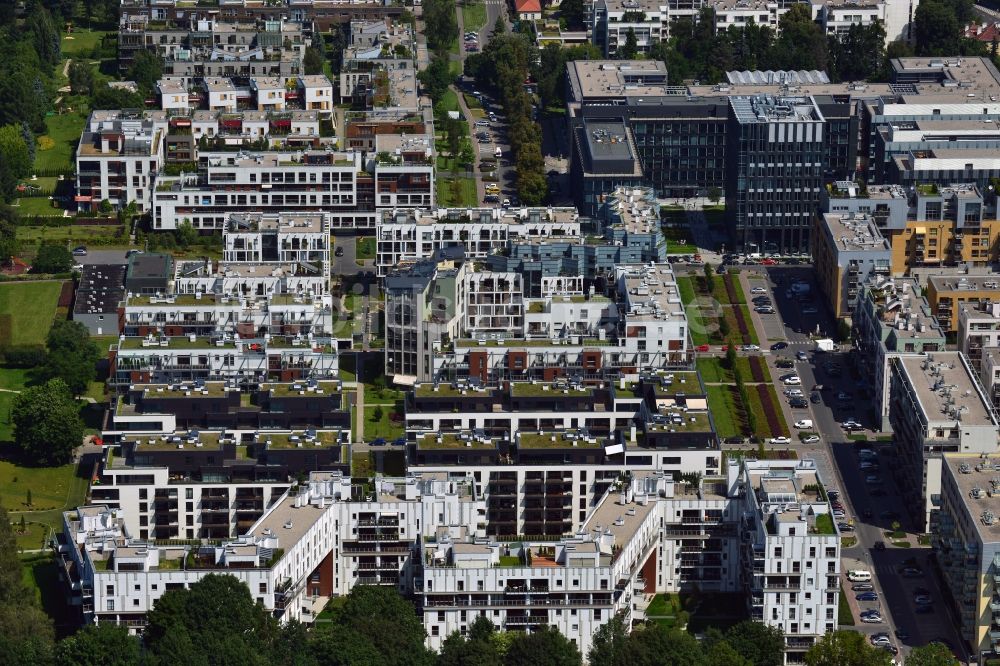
{"x":110,"y":604}
{"x":135,"y":603}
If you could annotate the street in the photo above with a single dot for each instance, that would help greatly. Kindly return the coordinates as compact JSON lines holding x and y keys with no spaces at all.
{"x":871,"y":504}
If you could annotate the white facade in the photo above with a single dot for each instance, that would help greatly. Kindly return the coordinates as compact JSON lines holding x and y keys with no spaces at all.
{"x":118,"y":157}
{"x":317,"y":93}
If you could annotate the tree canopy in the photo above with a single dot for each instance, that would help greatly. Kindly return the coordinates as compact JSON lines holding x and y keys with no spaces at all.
{"x":932,"y":654}
{"x":846,"y":648}
{"x":72,"y":355}
{"x":47,"y":425}
{"x":52,"y":258}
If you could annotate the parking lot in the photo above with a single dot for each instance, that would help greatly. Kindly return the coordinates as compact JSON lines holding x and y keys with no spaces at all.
{"x":830,"y":396}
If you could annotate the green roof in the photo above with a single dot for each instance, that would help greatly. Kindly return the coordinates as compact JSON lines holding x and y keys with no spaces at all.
{"x":284,"y":440}
{"x":209,"y":390}
{"x":285,"y":389}
{"x":209,"y":439}
{"x":527,"y":389}
{"x":514,"y":343}
{"x":556,"y":440}
{"x":449,"y":441}
{"x":690,"y":422}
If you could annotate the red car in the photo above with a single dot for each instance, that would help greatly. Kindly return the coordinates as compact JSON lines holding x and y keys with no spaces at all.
{"x":769,"y":262}
{"x":725,"y":347}
{"x":701,"y":348}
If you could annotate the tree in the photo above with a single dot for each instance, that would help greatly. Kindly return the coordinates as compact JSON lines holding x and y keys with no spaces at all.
{"x":387,"y":621}
{"x":99,"y":645}
{"x":757,"y":642}
{"x":630,"y":49}
{"x":52,"y":258}
{"x":72,"y":355}
{"x":454,"y":130}
{"x":8,"y":232}
{"x":146,"y":70}
{"x":547,"y":647}
{"x":43,"y":35}
{"x":47,"y":425}
{"x":801,"y":43}
{"x":655,"y":645}
{"x":377,"y":414}
{"x":342,"y":646}
{"x":186,"y":234}
{"x":846,"y":648}
{"x":312,"y":62}
{"x":572,"y":12}
{"x":709,"y":277}
{"x":730,"y":360}
{"x":106,"y":97}
{"x":81,"y":79}
{"x":721,"y":652}
{"x":937,"y":31}
{"x":714,"y":194}
{"x":477,"y":649}
{"x":215,"y":619}
{"x":610,"y":644}
{"x":16,"y":162}
{"x":932,"y":654}
{"x":27,"y":497}
{"x":441,"y":24}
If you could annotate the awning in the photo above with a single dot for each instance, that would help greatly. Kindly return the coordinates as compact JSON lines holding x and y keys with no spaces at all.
{"x":613,"y":449}
{"x":83,"y":197}
{"x":404,"y":380}
{"x":697,"y":403}
{"x":920,"y":230}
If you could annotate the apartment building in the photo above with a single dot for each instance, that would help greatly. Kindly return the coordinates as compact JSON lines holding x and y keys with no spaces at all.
{"x":947,"y":293}
{"x":269,"y":182}
{"x":979,"y":339}
{"x":847,"y":251}
{"x":98,"y":294}
{"x":316,"y":93}
{"x":118,"y":157}
{"x":362,"y":128}
{"x":374,"y":47}
{"x":891,"y":319}
{"x":201,"y":43}
{"x":770,"y":204}
{"x":967,"y":548}
{"x":263,"y":313}
{"x":646,"y":20}
{"x":411,"y":235}
{"x":937,"y":406}
{"x":761,"y":528}
{"x":404,"y":171}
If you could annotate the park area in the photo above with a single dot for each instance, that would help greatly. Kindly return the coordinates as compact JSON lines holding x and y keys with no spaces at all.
{"x":742,"y":398}
{"x":716,"y":309}
{"x":26,"y":311}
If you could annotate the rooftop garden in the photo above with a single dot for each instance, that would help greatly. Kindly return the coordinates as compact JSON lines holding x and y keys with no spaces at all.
{"x":449,"y":441}
{"x":441,"y":391}
{"x":529,"y":390}
{"x":824,"y":524}
{"x":557,"y":440}
{"x":295,"y":389}
{"x":298,"y":440}
{"x":207,"y":439}
{"x":208,"y":390}
{"x":689,"y":422}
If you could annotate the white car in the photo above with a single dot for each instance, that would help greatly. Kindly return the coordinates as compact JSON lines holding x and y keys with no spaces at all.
{"x":792,"y":381}
{"x":750,"y":347}
{"x":804,"y":424}
{"x":811,"y":439}
{"x":780,"y":440}
{"x":874,"y":618}
{"x":758,"y":290}
{"x":793,"y":393}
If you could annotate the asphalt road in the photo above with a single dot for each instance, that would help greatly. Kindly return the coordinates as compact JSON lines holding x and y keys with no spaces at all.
{"x":872,"y":507}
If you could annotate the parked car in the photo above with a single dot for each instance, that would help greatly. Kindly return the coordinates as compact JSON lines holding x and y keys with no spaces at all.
{"x":798,"y":403}
{"x":378,"y":441}
{"x":758,"y":290}
{"x":768,"y":262}
{"x":784,"y":363}
{"x":881,"y":637}
{"x":802,"y":356}
{"x":749,"y":347}
{"x":339,"y":252}
{"x":777,"y":346}
{"x":702,"y":348}
{"x":765,"y":309}
{"x":810,"y":439}
{"x":780,"y":440}
{"x":871,"y":618}
{"x":803,"y":424}
{"x":847,"y":527}
{"x":792,"y":380}
{"x":80,"y":251}
{"x":867,"y":596}
{"x":735,"y":440}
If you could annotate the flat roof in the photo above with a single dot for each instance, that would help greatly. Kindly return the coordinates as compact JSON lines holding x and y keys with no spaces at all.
{"x":609,"y":513}
{"x":772,"y":108}
{"x":102,"y":287}
{"x":651,"y":292}
{"x":589,"y":79}
{"x":288,"y":522}
{"x":854,"y":232}
{"x":971,"y":481}
{"x":945,"y":283}
{"x":942,"y":382}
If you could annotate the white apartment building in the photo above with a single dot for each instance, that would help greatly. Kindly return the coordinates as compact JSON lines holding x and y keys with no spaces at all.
{"x":404,"y":171}
{"x":647,"y":20}
{"x":282,"y":128}
{"x":174,"y":95}
{"x":410,"y":235}
{"x":937,"y":406}
{"x":316,"y":93}
{"x":220,"y":93}
{"x":250,"y":182}
{"x":426,"y":535}
{"x":268,"y":92}
{"x":118,"y":157}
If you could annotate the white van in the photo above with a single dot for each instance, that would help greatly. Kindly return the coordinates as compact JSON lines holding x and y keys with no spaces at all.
{"x":859,"y":576}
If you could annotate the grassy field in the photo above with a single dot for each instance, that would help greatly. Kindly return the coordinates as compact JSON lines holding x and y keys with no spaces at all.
{"x":724,"y":404}
{"x":31,"y":306}
{"x":73,"y":235}
{"x":51,"y":488}
{"x":467,"y":195}
{"x":29,"y":206}
{"x":364,"y":247}
{"x":382,"y":427}
{"x":449,"y":101}
{"x":758,"y":409}
{"x":57,"y":146}
{"x":81,"y":41}
{"x":712,"y":370}
{"x":390,"y":396}
{"x":473,"y":16}
{"x":472,"y":102}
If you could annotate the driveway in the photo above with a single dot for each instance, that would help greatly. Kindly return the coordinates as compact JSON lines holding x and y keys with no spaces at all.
{"x":102,"y":257}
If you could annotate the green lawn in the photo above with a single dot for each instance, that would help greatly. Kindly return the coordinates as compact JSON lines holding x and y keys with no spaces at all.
{"x":712,"y":370}
{"x":389,"y":395}
{"x":758,"y":409}
{"x":81,"y":41}
{"x":362,"y":465}
{"x":449,"y":101}
{"x":466,"y":192}
{"x":364,"y":247}
{"x":29,"y":206}
{"x":723,"y":403}
{"x":72,"y":235}
{"x":844,"y":615}
{"x":472,"y":102}
{"x":26,"y":311}
{"x":382,"y":427}
{"x":34,"y":536}
{"x":6,"y":425}
{"x":57,"y":146}
{"x":52,"y":488}
{"x":752,"y":330}
{"x":473,"y":16}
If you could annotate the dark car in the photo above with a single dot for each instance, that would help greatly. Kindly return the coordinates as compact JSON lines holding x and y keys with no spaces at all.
{"x":779,"y":345}
{"x":339,"y":252}
{"x":80,"y":251}
{"x":815,"y":398}
{"x":399,"y":441}
{"x":798,"y":403}
{"x":735,"y":440}
{"x":785,"y":363}
{"x":889,"y":515}
{"x":863,"y":587}
{"x":867,"y":596}
{"x":378,"y":441}
{"x":880,"y":545}
{"x":902,"y":634}
{"x":924,"y":609}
